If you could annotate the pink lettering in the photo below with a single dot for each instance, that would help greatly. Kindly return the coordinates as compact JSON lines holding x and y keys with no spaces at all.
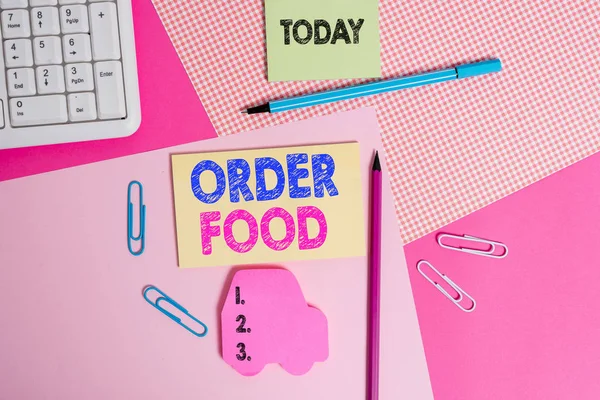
{"x":304,"y":242}
{"x":207,"y":231}
{"x":290,"y":229}
{"x":240,"y":247}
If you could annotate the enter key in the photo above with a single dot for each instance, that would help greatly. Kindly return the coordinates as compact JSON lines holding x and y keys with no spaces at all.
{"x":109,"y":89}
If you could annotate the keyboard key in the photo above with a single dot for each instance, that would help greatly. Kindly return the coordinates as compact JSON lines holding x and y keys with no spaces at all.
{"x":47,"y":50}
{"x":21,"y":82}
{"x":105,"y":31}
{"x":61,"y":2}
{"x":50,"y":79}
{"x":6,"y":4}
{"x":82,"y":107}
{"x":96,"y":1}
{"x":74,"y":19}
{"x":18,"y":53}
{"x":39,"y":3}
{"x":40,"y":110}
{"x":77,"y":48}
{"x":44,"y":21}
{"x":110,"y":93}
{"x":79,"y":77}
{"x":1,"y":114}
{"x":15,"y":24}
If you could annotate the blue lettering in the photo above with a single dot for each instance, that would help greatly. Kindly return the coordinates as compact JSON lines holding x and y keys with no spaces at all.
{"x":295,"y":173}
{"x":208,"y":165}
{"x":323,"y":168}
{"x":262,"y":193}
{"x":238,"y":172}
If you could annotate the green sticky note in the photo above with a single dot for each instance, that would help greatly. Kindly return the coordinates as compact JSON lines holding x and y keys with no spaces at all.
{"x":322,"y":39}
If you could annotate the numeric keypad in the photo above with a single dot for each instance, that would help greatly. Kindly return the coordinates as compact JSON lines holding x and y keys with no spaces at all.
{"x":65,"y":51}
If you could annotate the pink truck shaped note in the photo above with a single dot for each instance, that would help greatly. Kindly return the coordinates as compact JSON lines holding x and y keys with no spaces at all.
{"x":265,"y":319}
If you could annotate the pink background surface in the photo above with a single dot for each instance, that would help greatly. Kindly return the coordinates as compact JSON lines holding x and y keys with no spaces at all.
{"x":77,"y":327}
{"x":452,"y":148}
{"x":171,"y":111}
{"x":534,"y":333}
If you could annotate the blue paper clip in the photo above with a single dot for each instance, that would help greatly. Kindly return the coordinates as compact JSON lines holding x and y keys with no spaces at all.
{"x":164,"y":297}
{"x":141,"y":237}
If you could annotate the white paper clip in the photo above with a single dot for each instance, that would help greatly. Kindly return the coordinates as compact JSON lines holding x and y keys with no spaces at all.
{"x":487,"y":253}
{"x":461,"y":293}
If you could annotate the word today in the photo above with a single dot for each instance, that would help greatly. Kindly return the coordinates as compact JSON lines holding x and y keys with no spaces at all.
{"x":321,"y":31}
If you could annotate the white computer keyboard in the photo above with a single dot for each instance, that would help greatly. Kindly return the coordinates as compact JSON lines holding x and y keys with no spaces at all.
{"x":68,"y":71}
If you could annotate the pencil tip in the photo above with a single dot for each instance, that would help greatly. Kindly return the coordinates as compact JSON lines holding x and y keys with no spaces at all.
{"x":376,"y":164}
{"x":244,"y":111}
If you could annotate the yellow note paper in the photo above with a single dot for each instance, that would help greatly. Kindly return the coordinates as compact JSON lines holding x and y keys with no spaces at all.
{"x":268,"y":205}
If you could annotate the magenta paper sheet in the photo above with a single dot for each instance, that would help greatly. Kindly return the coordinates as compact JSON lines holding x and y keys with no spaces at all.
{"x":534,"y":332}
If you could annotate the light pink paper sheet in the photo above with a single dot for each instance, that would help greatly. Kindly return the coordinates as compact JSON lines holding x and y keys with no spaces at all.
{"x":534,"y":334}
{"x":171,"y":111}
{"x":77,"y":327}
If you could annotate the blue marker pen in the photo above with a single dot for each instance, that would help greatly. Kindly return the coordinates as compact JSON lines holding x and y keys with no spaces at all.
{"x":368,"y":89}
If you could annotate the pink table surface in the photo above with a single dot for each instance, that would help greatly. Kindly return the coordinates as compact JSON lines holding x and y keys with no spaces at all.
{"x":534,"y":334}
{"x":75,"y":324}
{"x":171,"y":111}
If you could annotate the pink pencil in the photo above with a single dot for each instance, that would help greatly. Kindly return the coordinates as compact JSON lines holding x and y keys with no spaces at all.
{"x":374,"y":282}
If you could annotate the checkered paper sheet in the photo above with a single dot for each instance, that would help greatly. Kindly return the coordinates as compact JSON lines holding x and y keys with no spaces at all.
{"x":451,"y":148}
